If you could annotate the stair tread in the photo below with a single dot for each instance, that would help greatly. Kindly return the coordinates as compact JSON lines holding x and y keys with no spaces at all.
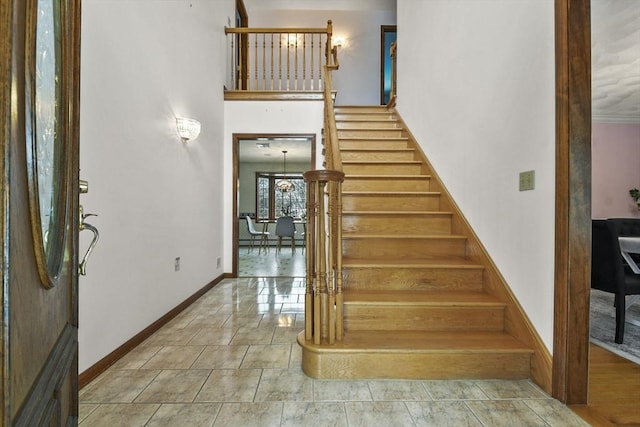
{"x":424,"y":341}
{"x":368,"y":120}
{"x":421,"y":298}
{"x":386,"y":176}
{"x":378,"y":149}
{"x":400,"y":236}
{"x":399,"y":213}
{"x":378,"y":162}
{"x":383,"y":193}
{"x":424,"y":262}
{"x":373,"y":138}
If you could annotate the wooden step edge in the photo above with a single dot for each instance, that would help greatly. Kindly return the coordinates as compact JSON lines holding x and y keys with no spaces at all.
{"x":377,"y":150}
{"x":398,"y":213}
{"x":385,"y":177}
{"x":353,"y":236}
{"x":367,"y":120}
{"x":356,"y":301}
{"x":358,"y":106}
{"x":421,"y":342}
{"x":391,"y":115}
{"x":428,"y":262}
{"x":390,"y":193}
{"x":381,"y":162}
{"x":374,"y":138}
{"x":386,"y":129}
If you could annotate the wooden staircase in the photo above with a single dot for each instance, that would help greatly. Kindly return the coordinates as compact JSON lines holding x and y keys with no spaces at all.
{"x":417,"y":302}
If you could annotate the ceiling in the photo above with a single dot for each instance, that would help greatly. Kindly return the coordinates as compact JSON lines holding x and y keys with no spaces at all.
{"x":615,"y":60}
{"x":263,"y":150}
{"x":256,"y":5}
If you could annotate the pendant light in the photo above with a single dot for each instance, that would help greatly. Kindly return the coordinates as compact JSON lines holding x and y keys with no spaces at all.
{"x":284,"y":185}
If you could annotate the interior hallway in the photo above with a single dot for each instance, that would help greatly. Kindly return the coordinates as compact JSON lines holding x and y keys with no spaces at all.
{"x":232,"y":359}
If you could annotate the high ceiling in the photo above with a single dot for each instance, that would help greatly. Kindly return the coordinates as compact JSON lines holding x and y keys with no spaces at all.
{"x":256,"y":5}
{"x":615,"y":59}
{"x":267,"y":150}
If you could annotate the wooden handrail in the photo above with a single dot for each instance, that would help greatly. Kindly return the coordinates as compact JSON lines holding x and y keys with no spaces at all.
{"x":323,"y":298}
{"x":281,"y":30}
{"x":332,"y":147}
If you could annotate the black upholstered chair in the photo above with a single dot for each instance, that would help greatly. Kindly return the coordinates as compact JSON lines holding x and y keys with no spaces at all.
{"x":608,"y":270}
{"x":627,"y":227}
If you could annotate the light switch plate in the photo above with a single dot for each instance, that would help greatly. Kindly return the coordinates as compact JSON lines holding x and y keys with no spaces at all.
{"x":527,"y":180}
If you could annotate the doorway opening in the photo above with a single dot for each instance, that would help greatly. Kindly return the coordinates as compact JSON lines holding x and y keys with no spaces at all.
{"x":261,"y":162}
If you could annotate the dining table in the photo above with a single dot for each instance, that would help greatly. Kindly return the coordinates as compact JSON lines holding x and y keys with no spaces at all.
{"x":631,"y":245}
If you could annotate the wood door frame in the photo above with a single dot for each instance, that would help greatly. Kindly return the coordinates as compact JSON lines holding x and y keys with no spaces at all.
{"x":237,"y":137}
{"x":573,"y":201}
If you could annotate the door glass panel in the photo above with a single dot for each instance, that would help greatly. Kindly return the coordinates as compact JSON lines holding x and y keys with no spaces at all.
{"x":44,"y":132}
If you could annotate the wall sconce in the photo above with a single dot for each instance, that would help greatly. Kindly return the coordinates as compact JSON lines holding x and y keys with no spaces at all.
{"x":188,"y":129}
{"x":339,"y":41}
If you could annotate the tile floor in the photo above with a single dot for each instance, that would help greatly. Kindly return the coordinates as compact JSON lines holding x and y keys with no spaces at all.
{"x":271,"y":263}
{"x":231,"y":360}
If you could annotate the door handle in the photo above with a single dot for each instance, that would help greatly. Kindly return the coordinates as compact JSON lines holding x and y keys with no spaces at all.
{"x":84,"y":188}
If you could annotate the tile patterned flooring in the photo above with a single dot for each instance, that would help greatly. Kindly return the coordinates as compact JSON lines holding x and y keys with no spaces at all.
{"x":231,"y":359}
{"x":271,"y":263}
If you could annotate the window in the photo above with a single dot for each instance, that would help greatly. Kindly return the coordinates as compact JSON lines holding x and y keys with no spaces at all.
{"x":272,"y":203}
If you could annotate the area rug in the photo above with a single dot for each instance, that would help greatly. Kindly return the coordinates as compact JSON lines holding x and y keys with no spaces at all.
{"x":603,"y":326}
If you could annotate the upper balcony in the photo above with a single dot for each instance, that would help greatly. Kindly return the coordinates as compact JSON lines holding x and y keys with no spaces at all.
{"x":279,"y":63}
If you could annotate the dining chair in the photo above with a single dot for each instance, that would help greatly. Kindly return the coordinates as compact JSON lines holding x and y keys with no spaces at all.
{"x":286,"y":228}
{"x":627,"y":227}
{"x":264,"y":235}
{"x":608,"y":271}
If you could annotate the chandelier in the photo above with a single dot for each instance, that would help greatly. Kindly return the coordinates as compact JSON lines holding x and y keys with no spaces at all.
{"x":284,"y":185}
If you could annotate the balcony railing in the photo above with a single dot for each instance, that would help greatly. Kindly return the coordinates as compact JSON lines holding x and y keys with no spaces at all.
{"x":279,"y":59}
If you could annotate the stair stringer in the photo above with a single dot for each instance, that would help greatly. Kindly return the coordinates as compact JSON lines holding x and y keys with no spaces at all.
{"x":517,"y":323}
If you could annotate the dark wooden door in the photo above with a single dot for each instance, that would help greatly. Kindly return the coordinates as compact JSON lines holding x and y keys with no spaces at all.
{"x":39,"y":107}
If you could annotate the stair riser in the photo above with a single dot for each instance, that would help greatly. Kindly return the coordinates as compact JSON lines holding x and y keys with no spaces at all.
{"x":374,"y":248}
{"x":362,"y":184}
{"x":360,"y":110}
{"x":412,"y":279}
{"x":380,"y":124}
{"x":376,"y":156}
{"x":391,"y":144}
{"x":365,"y":116}
{"x":442,"y":365}
{"x":382,"y":169}
{"x":370,"y":133}
{"x":430,"y":202}
{"x":405,"y":317}
{"x":402,"y":224}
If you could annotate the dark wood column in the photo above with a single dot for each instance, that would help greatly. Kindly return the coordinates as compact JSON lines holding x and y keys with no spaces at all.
{"x":573,"y":201}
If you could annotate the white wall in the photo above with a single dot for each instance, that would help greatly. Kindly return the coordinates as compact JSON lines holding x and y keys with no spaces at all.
{"x":268,"y":117}
{"x":157,"y":198}
{"x":358,"y":79}
{"x":476,"y":87}
{"x":615,"y":156}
